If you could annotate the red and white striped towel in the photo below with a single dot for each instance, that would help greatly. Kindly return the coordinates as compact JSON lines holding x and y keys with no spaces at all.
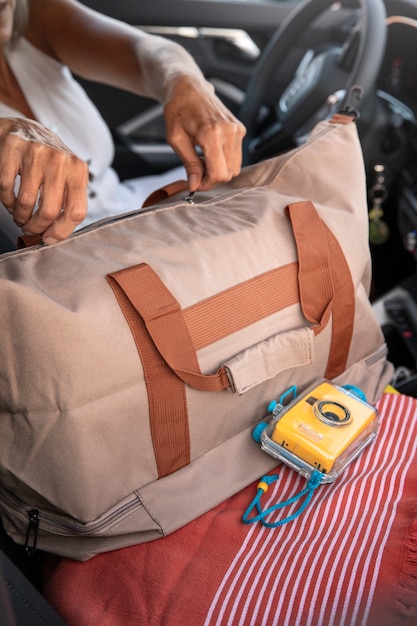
{"x":349,"y":560}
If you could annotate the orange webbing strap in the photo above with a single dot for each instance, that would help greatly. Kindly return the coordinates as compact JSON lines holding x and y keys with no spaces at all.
{"x":164,"y":193}
{"x":165,"y":323}
{"x":27,"y":241}
{"x":167,"y":347}
{"x":341,"y":118}
{"x":238,"y":307}
{"x":149,"y":307}
{"x":343,"y":310}
{"x":166,"y":395}
{"x":314,"y":276}
{"x":327,"y":288}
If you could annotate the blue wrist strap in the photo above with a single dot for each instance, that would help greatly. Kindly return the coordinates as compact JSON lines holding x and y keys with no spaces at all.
{"x":263,"y":485}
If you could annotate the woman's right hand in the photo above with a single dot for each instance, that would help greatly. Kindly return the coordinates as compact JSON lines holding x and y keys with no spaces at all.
{"x":52,"y":197}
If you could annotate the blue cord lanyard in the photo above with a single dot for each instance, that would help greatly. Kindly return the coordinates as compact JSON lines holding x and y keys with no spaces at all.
{"x":263,"y":485}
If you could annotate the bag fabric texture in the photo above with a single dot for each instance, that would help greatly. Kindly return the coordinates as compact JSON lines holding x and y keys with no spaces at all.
{"x":138,"y":355}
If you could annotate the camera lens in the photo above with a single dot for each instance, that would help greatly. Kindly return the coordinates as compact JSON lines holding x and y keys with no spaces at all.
{"x":332,"y":413}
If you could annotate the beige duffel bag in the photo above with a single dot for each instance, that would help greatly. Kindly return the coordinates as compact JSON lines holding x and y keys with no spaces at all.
{"x":137,"y":356}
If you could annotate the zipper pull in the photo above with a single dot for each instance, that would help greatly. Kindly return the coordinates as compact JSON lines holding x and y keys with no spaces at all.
{"x":190,"y":197}
{"x":32,"y":532}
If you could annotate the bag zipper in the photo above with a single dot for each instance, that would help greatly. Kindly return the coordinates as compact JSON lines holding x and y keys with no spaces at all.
{"x":376,"y":356}
{"x":190,"y":198}
{"x":286,"y":157}
{"x":35,"y":520}
{"x":32,"y":532}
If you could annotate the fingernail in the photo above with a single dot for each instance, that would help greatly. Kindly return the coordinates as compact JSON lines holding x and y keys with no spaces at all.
{"x":49,"y":241}
{"x":193,"y":182}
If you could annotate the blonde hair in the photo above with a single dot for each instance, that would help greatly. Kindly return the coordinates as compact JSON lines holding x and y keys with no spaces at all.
{"x":20,"y":21}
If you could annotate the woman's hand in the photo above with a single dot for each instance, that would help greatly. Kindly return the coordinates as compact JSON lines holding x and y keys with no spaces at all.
{"x":52,"y":196}
{"x":202,"y":131}
{"x":196,"y":118}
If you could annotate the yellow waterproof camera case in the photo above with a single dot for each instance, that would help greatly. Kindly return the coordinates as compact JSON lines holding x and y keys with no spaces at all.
{"x":324,"y":430}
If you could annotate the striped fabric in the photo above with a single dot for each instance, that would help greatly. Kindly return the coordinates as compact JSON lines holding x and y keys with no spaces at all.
{"x":331,"y":558}
{"x":349,"y":560}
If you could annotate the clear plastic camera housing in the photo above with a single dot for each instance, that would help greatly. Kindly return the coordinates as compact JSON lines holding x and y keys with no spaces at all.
{"x":325,"y":429}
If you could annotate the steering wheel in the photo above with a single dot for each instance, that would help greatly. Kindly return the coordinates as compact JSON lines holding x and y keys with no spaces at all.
{"x":322,"y":81}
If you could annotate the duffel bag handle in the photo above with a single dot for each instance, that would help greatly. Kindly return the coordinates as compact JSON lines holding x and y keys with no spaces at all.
{"x":314,"y":282}
{"x":168,"y":353}
{"x":165,"y":322}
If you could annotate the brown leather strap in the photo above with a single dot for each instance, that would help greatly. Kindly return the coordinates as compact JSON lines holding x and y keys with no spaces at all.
{"x":166,"y":395}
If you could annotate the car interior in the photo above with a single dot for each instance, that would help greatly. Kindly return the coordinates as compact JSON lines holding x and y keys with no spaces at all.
{"x":281,"y":66}
{"x":280,"y":80}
